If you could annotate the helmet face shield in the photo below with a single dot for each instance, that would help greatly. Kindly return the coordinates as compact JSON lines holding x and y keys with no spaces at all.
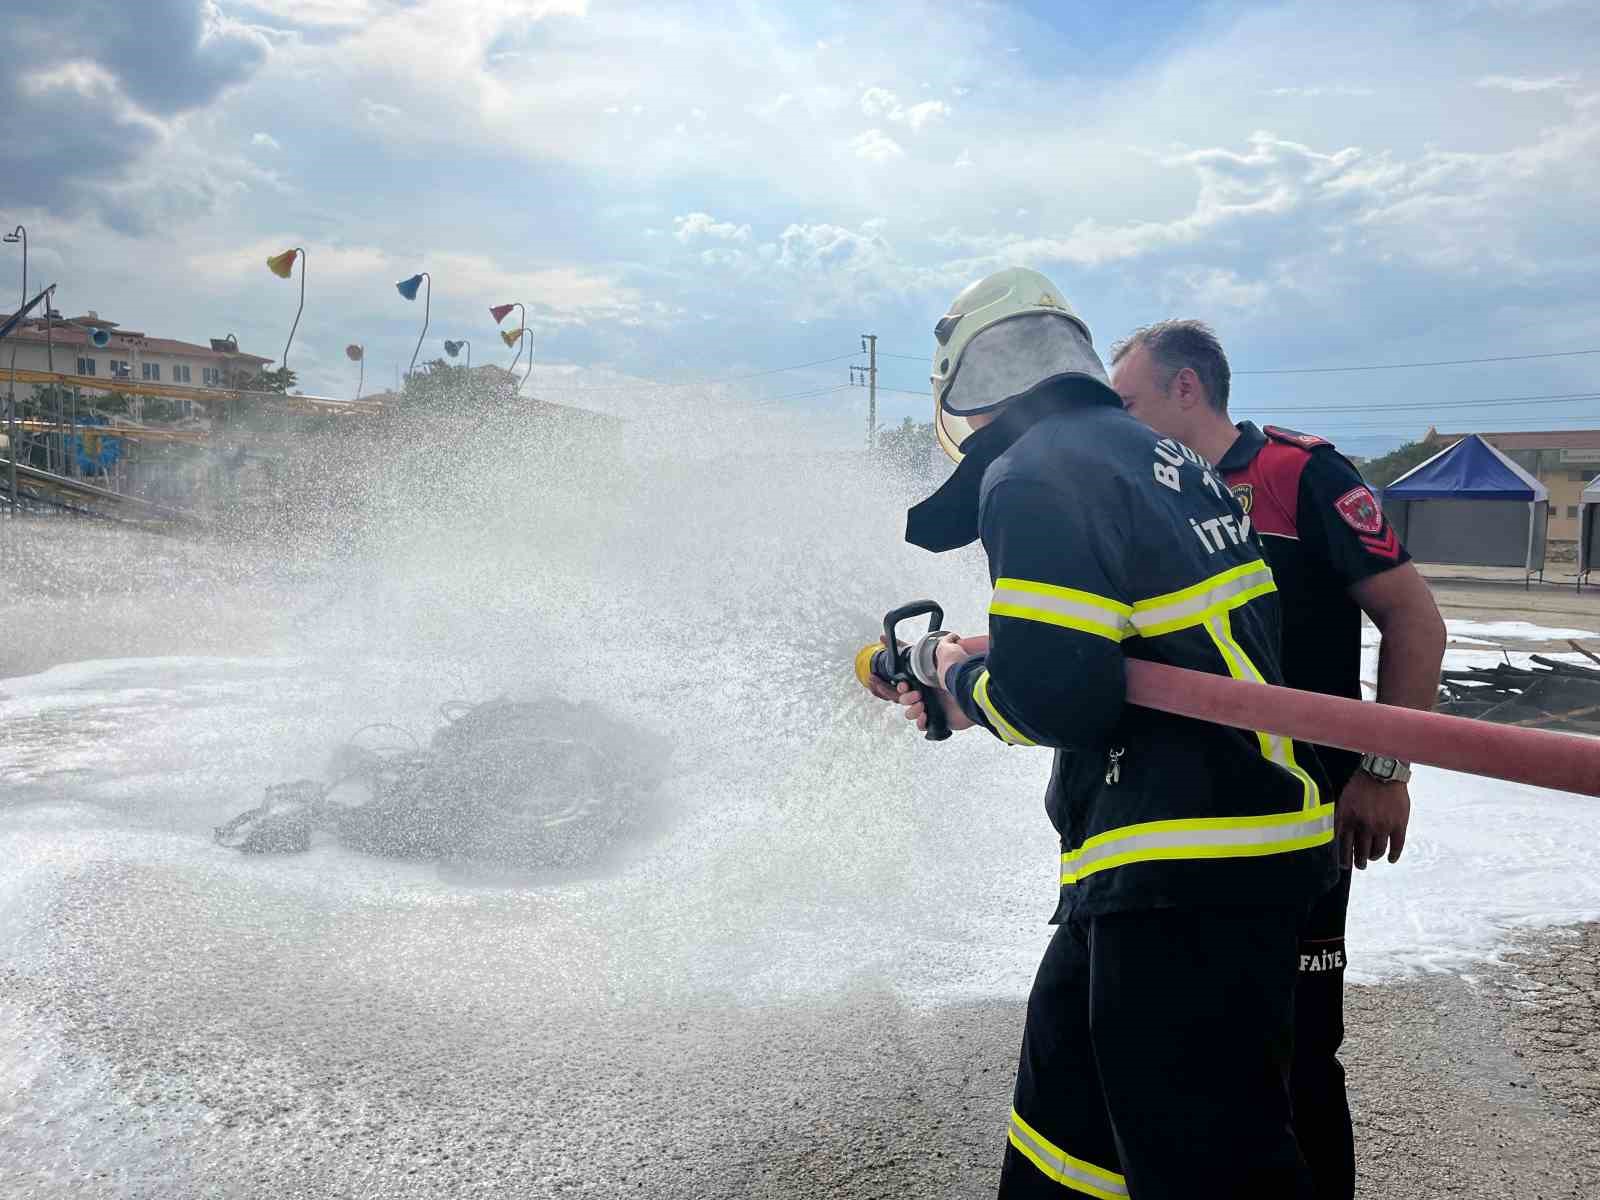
{"x":1003,"y":336}
{"x":951,"y":431}
{"x":1016,"y":355}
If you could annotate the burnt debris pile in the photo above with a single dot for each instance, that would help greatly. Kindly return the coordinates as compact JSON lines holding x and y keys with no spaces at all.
{"x":524,"y":783}
{"x":1547,"y":694}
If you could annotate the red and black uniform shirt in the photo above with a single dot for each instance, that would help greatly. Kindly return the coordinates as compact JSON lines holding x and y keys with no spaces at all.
{"x":1322,"y":532}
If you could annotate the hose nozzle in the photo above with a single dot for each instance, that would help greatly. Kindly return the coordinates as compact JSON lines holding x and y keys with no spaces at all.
{"x":915,"y":665}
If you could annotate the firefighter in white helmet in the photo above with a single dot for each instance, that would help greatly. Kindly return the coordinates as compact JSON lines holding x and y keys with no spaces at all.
{"x":1157,"y":1046}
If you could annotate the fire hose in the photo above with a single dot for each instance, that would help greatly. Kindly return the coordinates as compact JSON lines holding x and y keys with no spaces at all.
{"x":1537,"y":757}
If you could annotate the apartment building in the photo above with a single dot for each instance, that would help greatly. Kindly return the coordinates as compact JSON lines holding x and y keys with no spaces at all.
{"x":67,"y":344}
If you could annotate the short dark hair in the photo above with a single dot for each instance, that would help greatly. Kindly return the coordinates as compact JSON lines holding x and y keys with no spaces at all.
{"x":1174,"y":345}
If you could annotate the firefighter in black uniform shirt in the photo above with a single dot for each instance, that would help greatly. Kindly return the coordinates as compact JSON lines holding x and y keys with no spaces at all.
{"x":1156,"y":1053}
{"x":1333,"y":556}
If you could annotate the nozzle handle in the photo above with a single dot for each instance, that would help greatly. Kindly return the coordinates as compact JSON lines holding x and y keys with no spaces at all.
{"x":900,"y":662}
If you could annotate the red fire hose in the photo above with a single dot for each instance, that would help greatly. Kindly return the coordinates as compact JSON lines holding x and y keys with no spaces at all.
{"x":1533,"y":756}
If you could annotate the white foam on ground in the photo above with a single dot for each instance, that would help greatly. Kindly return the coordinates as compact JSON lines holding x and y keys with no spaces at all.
{"x":853,"y":861}
{"x":1489,"y":633}
{"x":1483,"y":860}
{"x":1520,"y":631}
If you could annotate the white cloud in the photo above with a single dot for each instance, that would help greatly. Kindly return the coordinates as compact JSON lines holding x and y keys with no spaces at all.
{"x":963,"y":160}
{"x":704,"y":225}
{"x":771,"y":108}
{"x":1513,"y":83}
{"x":830,"y":249}
{"x":876,"y":146}
{"x":1332,"y":89}
{"x":919,"y":115}
{"x":379,"y":113}
{"x":881,"y":103}
{"x":1209,"y":289}
{"x":266,"y":141}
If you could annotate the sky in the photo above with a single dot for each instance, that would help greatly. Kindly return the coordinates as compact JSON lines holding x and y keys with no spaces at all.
{"x":683,"y":193}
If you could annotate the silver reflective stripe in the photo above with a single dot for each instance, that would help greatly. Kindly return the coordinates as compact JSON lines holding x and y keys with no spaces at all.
{"x":1008,"y":732}
{"x":1067,"y":607}
{"x":1205,"y":837}
{"x":1060,"y":1166}
{"x":1163,"y":614}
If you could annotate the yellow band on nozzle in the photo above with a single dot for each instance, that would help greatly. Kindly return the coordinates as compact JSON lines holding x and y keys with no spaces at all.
{"x":864,"y":663}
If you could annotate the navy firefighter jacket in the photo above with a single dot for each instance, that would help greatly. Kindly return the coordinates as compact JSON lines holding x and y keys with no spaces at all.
{"x":1107,"y":542}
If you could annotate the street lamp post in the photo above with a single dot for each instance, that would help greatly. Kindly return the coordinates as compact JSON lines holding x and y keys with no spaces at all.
{"x":16,"y":235}
{"x":282,"y":265}
{"x":499,"y":312}
{"x":408,"y":289}
{"x":454,"y":348}
{"x":358,"y":354}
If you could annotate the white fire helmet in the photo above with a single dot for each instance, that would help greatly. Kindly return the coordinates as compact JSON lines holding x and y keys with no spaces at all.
{"x":1004,"y":336}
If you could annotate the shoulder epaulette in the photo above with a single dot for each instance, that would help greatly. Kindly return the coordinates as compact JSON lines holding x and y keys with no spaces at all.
{"x":1306,"y":441}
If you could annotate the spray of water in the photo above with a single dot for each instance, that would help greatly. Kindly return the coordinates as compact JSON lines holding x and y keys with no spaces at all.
{"x":704,"y":575}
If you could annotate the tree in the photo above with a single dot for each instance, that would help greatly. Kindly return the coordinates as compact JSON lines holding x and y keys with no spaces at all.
{"x":1381,"y":472}
{"x":279,"y":381}
{"x":440,"y":388}
{"x":908,"y":448}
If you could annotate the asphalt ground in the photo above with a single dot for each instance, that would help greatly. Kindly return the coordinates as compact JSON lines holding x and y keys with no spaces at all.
{"x":1485,"y":1086}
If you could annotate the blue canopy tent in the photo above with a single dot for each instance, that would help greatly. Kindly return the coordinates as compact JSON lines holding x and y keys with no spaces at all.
{"x":1471,"y":505}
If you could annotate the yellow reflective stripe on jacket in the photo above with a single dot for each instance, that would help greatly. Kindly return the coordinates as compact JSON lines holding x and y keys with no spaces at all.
{"x":1028,"y":600}
{"x":1063,"y":1168}
{"x":1007,"y":731}
{"x":1275,"y":749}
{"x":1204,"y":600}
{"x":1199,"y":837}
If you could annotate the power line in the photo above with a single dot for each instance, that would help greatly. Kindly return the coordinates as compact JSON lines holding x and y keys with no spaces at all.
{"x":1565,"y":424}
{"x":1380,"y":406}
{"x":822,"y":391}
{"x":1426,"y":406}
{"x":1442,"y":362}
{"x":644,"y":387}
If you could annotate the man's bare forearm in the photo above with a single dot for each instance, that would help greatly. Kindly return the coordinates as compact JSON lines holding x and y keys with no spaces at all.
{"x":1409,"y":658}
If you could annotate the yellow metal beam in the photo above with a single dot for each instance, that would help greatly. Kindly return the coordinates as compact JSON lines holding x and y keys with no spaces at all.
{"x":121,"y":431}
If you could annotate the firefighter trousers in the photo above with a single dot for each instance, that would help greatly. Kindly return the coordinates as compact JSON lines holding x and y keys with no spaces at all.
{"x":1155,"y":1060}
{"x":1316,"y":1082}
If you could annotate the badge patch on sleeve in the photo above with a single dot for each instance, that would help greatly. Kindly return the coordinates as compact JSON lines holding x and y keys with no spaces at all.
{"x":1245,"y":494}
{"x":1360,"y":510}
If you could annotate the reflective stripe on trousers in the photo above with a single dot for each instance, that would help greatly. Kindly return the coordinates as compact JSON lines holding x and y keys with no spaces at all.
{"x":1072,"y":1173}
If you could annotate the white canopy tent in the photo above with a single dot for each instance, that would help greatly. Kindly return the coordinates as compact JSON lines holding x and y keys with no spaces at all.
{"x":1587,"y":522}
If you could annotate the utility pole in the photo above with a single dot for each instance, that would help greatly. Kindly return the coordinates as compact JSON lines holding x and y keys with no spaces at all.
{"x":869,"y":376}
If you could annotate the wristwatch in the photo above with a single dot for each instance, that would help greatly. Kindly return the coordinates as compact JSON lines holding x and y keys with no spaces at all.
{"x":1385,"y":769}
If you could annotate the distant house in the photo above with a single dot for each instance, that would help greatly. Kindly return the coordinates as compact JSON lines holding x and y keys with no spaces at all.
{"x":66,"y":344}
{"x":1564,"y":460}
